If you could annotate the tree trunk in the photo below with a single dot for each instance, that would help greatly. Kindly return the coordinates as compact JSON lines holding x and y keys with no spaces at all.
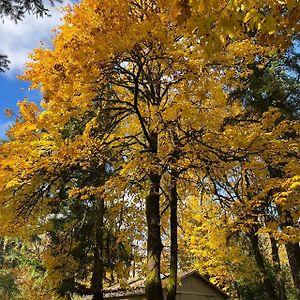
{"x":261,"y":266}
{"x":293,"y":252}
{"x":172,"y":284}
{"x":278,"y":274}
{"x":98,"y":270}
{"x":153,"y":287}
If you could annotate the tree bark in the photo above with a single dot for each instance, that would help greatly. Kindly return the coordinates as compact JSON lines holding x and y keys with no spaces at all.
{"x":278,"y":276}
{"x":153,"y":287}
{"x":270,"y":289}
{"x":172,"y":284}
{"x":293,"y":252}
{"x":98,"y":269}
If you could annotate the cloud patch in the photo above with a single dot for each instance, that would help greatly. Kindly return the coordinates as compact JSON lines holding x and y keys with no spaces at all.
{"x":18,"y":40}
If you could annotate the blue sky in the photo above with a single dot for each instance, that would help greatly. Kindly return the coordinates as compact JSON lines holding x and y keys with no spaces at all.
{"x":17,"y":41}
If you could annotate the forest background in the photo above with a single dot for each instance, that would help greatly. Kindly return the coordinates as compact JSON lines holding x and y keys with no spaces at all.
{"x":167,"y":137}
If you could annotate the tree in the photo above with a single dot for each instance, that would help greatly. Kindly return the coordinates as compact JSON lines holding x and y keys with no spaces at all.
{"x":144,"y":70}
{"x":275,"y":85}
{"x":73,"y":218}
{"x":17,"y":9}
{"x":250,"y":198}
{"x":3,"y":63}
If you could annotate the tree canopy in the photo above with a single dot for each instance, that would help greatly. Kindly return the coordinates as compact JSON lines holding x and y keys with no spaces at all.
{"x":149,"y":108}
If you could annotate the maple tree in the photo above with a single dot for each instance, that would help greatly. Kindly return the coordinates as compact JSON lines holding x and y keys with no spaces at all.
{"x":259,"y":187}
{"x":73,"y":218}
{"x":247,"y":217}
{"x":147,"y":82}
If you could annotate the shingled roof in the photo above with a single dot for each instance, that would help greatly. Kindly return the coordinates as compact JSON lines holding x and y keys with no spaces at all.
{"x":136,"y":286}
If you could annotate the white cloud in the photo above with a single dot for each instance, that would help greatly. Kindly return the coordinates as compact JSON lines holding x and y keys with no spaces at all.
{"x":18,"y":40}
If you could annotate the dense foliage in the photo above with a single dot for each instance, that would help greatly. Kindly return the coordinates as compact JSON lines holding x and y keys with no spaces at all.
{"x":156,"y":114}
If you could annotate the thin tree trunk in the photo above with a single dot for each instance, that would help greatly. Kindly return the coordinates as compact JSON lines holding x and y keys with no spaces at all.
{"x":249,"y":294}
{"x":261,"y":266}
{"x":153,"y":287}
{"x":98,"y":269}
{"x":278,"y":276}
{"x":293,"y":252}
{"x":172,"y":284}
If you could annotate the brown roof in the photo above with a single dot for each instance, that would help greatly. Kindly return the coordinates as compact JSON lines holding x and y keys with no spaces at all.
{"x":136,"y":286}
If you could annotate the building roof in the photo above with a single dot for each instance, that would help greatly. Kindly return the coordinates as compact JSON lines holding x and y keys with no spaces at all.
{"x":197,"y":274}
{"x":136,"y":286}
